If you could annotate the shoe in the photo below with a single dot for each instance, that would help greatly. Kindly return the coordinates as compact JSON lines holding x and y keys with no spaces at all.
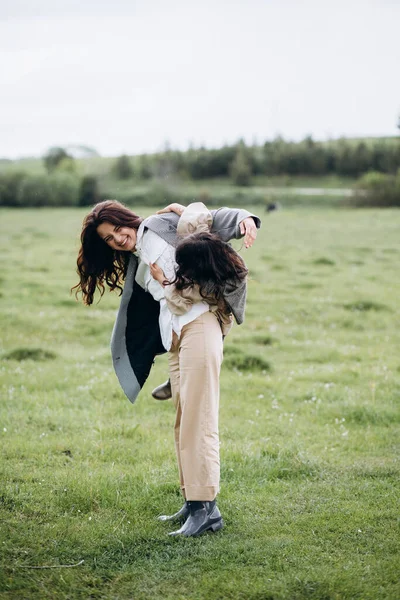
{"x":204,"y":516}
{"x":163,"y":391}
{"x":178,"y":517}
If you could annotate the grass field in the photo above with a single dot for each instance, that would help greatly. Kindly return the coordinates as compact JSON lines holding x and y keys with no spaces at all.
{"x":309,"y":428}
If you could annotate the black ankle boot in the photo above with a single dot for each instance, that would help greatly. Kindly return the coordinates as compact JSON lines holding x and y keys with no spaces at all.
{"x":178,"y":517}
{"x":203,"y":516}
{"x":163,"y":391}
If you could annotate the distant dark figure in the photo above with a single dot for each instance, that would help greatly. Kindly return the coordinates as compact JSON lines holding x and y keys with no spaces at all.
{"x":272,"y":206}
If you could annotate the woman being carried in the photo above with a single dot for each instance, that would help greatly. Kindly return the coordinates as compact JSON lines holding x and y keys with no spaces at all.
{"x":206,"y":268}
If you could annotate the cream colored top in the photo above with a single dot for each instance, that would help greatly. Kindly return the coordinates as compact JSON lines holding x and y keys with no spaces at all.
{"x":182,"y":301}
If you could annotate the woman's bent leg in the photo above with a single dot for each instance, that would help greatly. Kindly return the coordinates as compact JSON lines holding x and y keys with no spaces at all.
{"x":200,"y":358}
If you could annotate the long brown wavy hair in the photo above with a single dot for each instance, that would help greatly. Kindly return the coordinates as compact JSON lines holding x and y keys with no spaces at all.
{"x":97,"y":263}
{"x":205,"y":260}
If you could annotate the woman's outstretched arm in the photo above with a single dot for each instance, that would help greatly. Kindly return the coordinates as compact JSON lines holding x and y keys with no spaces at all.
{"x":234,"y":223}
{"x":228,"y":223}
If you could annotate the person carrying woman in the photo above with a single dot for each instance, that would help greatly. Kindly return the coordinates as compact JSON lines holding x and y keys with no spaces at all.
{"x":118,"y":247}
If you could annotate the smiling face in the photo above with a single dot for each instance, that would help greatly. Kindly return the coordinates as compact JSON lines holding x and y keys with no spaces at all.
{"x":117,"y":237}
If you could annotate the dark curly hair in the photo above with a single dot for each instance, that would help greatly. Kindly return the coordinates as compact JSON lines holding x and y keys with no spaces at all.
{"x":204,"y":259}
{"x":97,"y":263}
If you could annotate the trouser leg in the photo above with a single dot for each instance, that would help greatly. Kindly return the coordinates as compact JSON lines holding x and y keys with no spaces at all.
{"x":200,"y":358}
{"x":173,"y":361}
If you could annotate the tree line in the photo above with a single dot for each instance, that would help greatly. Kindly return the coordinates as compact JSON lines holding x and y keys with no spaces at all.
{"x":239,"y":164}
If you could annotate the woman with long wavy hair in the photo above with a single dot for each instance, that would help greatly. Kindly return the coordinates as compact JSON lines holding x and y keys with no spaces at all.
{"x":205,"y":268}
{"x":117,"y":250}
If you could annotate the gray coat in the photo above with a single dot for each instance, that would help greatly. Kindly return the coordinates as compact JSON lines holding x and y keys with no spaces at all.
{"x":136,"y":336}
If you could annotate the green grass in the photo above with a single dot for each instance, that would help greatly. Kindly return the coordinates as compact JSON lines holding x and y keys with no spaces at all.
{"x":309,"y":426}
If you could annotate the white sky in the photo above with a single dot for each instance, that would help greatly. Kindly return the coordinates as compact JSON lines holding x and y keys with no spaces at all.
{"x":126,"y":76}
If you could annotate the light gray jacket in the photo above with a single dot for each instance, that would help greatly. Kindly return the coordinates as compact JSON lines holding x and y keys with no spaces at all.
{"x":136,"y":337}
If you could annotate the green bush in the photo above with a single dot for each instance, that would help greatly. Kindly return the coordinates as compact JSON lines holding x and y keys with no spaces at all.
{"x":67,"y":165}
{"x":9,"y":185}
{"x":378,"y":189}
{"x":123,"y":167}
{"x":34,"y":190}
{"x":88,"y":191}
{"x":371,"y":181}
{"x":240,"y":169}
{"x":202,"y":163}
{"x":144,"y":167}
{"x":65,"y":189}
{"x":54,"y":157}
{"x":21,"y":189}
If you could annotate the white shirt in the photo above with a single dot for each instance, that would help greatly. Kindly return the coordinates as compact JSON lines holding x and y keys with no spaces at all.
{"x":151,"y":248}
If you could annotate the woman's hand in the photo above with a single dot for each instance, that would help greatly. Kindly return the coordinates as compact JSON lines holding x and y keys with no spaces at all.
{"x":174,"y":207}
{"x":157,"y":273}
{"x":249,"y":230}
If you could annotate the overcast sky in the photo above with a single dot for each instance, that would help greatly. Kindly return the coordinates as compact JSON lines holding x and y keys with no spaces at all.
{"x":127,"y":76}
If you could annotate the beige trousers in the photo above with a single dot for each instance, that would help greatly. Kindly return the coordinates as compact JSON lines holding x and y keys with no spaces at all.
{"x":195,"y":363}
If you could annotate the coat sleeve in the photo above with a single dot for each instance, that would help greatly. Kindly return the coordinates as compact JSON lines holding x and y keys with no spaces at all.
{"x":226,"y":222}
